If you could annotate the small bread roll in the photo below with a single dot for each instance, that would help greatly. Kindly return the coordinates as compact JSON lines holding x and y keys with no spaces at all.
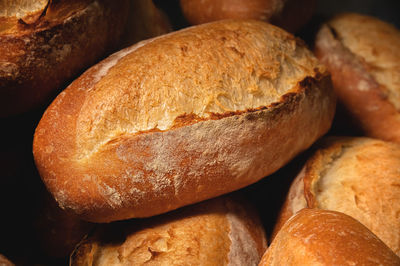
{"x":357,"y":176}
{"x":321,"y":237}
{"x":5,"y":262}
{"x":362,"y":53}
{"x":43,"y":44}
{"x":182,"y":118}
{"x":288,"y":14}
{"x":222,"y":231}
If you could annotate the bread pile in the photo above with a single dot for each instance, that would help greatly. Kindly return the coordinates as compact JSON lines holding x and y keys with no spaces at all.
{"x":177,"y":149}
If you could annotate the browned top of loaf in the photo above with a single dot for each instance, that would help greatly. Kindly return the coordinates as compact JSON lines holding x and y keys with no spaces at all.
{"x":359,"y":177}
{"x":320,"y":237}
{"x":221,"y":231}
{"x":376,"y":44}
{"x":232,"y":67}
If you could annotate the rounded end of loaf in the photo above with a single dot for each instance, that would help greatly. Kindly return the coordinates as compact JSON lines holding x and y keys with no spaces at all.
{"x":43,"y":44}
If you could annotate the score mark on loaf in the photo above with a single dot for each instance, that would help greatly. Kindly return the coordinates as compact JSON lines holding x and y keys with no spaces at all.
{"x":182,"y":118}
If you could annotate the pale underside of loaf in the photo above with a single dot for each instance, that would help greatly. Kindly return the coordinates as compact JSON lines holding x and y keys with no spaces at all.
{"x":375,"y":44}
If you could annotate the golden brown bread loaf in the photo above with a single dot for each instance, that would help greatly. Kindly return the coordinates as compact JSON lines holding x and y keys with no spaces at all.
{"x":321,"y":237}
{"x":5,"y":262}
{"x":362,"y":53}
{"x":182,"y":118}
{"x":222,"y":231}
{"x":43,"y":44}
{"x":288,"y":14}
{"x":356,"y":176}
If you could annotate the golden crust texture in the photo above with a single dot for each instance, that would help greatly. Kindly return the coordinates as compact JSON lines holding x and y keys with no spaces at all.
{"x":362,"y":55}
{"x":5,"y":262}
{"x":321,"y":237}
{"x":221,"y":231}
{"x":44,"y":44}
{"x":356,"y":176}
{"x":182,"y":118}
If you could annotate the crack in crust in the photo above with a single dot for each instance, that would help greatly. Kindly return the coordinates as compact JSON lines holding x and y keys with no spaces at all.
{"x":354,"y":176}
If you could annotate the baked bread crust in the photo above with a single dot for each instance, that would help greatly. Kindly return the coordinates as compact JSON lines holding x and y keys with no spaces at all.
{"x":182,"y":118}
{"x":5,"y":262}
{"x":290,"y":15}
{"x":222,"y":231}
{"x":198,"y":12}
{"x":44,"y":45}
{"x":321,"y":237}
{"x":356,"y":176}
{"x":362,"y":54}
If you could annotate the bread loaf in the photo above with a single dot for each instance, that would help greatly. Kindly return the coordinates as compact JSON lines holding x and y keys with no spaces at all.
{"x":362,"y":54}
{"x":44,"y":44}
{"x":198,"y":12}
{"x":182,"y":118}
{"x":5,"y":262}
{"x":356,"y":176}
{"x":221,"y":231}
{"x":321,"y":237}
{"x":288,"y":14}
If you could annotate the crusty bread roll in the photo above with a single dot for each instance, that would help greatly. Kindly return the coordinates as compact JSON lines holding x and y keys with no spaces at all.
{"x":222,"y":231}
{"x":43,"y":44}
{"x":362,"y":53}
{"x":5,"y":262}
{"x":182,"y":118}
{"x":321,"y":237}
{"x":288,"y":14}
{"x":356,"y":176}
